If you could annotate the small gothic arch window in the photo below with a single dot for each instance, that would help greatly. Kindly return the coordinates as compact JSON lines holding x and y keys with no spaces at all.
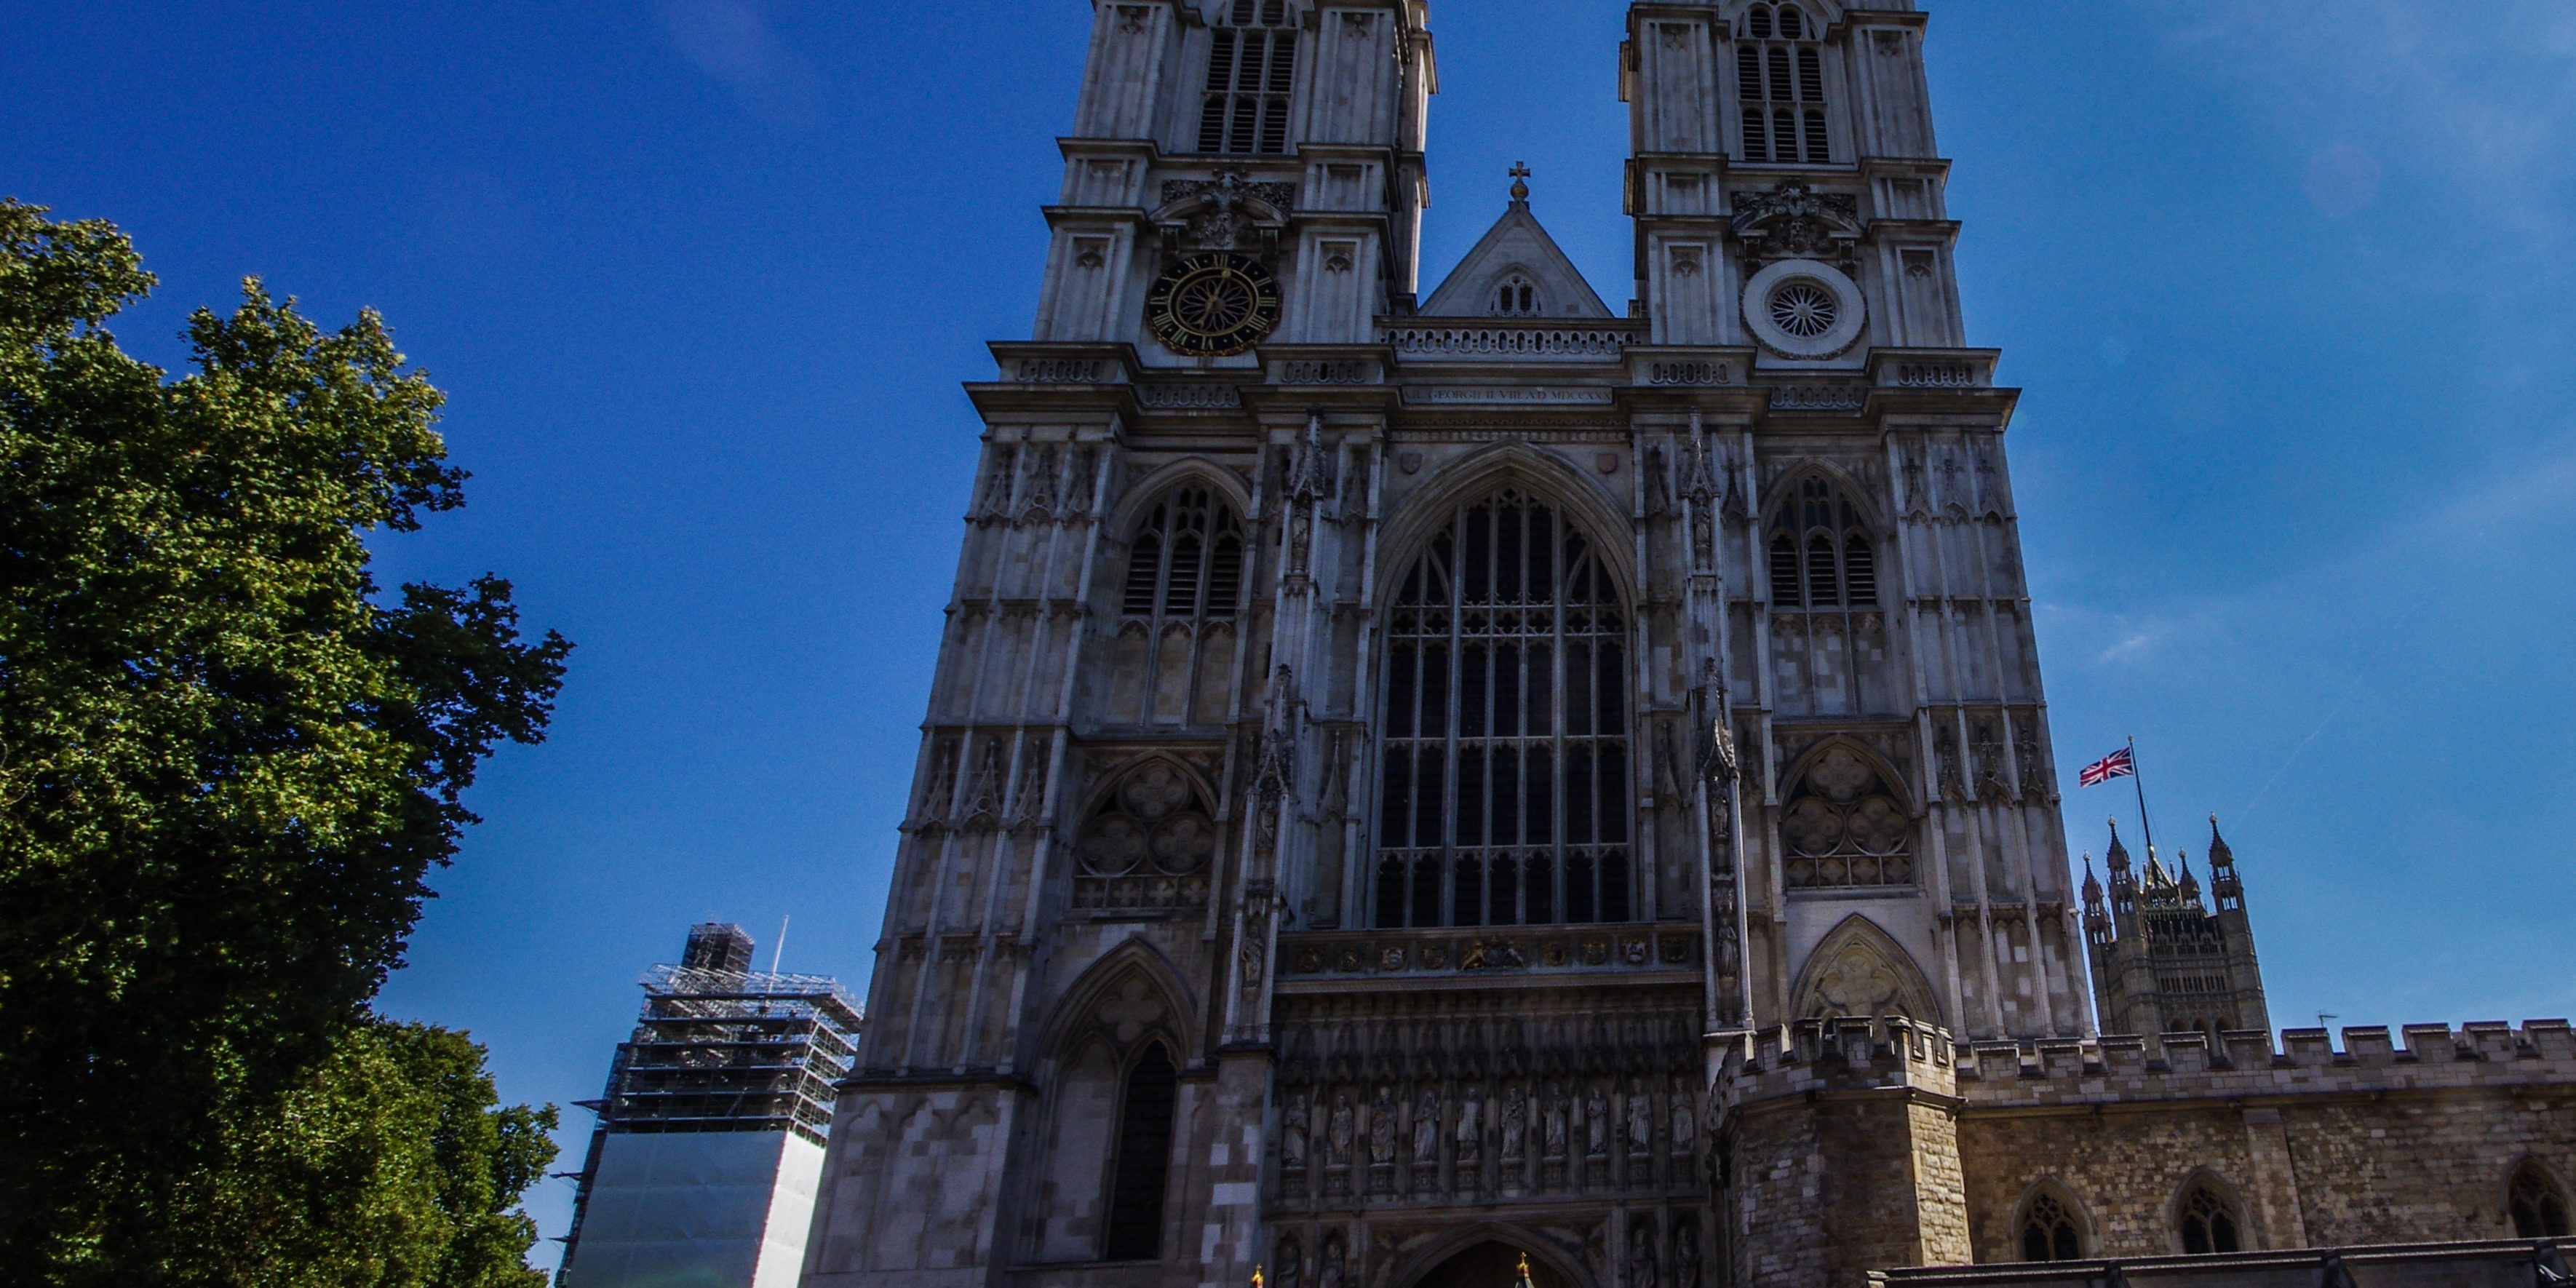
{"x":2049,"y":1231}
{"x":2537,"y":1205}
{"x":1503,"y":767}
{"x":1141,"y":1173}
{"x":1517,"y":297}
{"x":1780,"y":86}
{"x":2209,"y":1221}
{"x":1147,"y":844}
{"x":1252,"y":64}
{"x":1186,"y":560}
{"x":1844,"y":826}
{"x":1823,"y":554}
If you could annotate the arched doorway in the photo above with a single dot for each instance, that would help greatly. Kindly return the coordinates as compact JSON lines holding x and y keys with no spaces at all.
{"x":1491,"y":1264}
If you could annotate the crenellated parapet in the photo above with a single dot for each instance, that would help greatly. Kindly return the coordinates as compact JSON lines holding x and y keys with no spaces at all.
{"x":2245,"y":1064}
{"x":1795,"y":1060}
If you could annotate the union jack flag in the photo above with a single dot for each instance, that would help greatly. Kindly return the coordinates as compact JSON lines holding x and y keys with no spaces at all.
{"x":2116,"y":765}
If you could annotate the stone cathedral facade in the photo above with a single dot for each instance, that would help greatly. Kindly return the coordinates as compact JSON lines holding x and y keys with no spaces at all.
{"x":1417,"y":779}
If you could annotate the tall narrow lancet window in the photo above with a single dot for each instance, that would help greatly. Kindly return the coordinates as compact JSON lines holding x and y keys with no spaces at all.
{"x":1186,"y":559}
{"x":2209,"y":1221}
{"x":1141,"y":1174}
{"x":1780,"y":85}
{"x":2538,"y":1206}
{"x":1503,"y":780}
{"x":1252,"y":63}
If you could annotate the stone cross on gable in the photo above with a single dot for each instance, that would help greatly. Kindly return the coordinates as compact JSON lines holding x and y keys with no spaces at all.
{"x":1520,"y":173}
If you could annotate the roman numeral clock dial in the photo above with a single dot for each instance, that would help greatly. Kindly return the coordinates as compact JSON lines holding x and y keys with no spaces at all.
{"x":1213,"y":305}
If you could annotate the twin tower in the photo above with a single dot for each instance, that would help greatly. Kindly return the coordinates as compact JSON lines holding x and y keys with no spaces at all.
{"x":1389,"y":747}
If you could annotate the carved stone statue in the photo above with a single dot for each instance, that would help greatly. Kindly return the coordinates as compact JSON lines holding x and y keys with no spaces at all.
{"x":1426,"y":1127}
{"x":1641,"y":1256}
{"x":1685,"y":1120}
{"x":1641,"y":1120}
{"x":1288,"y":1267}
{"x":1382,"y":1125}
{"x":1292,"y":1132}
{"x":1686,"y":1253}
{"x":1559,"y":1104}
{"x":1471,"y":1128}
{"x":1329,"y":1273}
{"x":1515,"y":1126}
{"x":1596,"y":1122}
{"x":1337,"y":1132}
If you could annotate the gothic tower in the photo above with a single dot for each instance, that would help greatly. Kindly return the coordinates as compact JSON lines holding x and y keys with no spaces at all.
{"x":1384,"y":746}
{"x":2162,"y":961}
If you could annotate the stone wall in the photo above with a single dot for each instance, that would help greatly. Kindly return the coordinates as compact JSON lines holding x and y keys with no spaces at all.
{"x":2376,"y":1143}
{"x":1850,"y":1147}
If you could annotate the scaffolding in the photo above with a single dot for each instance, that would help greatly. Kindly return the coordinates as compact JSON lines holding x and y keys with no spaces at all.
{"x":719,"y":1047}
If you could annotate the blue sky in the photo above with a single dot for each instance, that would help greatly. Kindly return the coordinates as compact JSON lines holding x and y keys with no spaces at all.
{"x":2291,"y":290}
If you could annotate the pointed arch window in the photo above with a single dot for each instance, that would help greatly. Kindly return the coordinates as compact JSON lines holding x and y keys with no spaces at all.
{"x":1780,"y":85}
{"x":1503,"y":771}
{"x":1186,"y":560}
{"x":1844,"y":827}
{"x":1517,"y":297}
{"x":1141,"y":1175}
{"x":2538,"y":1206}
{"x":1823,"y":554}
{"x":2049,"y":1232}
{"x":2210,"y":1222}
{"x":1252,"y":64}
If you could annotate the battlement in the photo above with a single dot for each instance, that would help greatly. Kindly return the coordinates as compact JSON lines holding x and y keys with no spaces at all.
{"x":1852,"y":1054}
{"x":1836,"y":1055}
{"x":2245,"y":1063}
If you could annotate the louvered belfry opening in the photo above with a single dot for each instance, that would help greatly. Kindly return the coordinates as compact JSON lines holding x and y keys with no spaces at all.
{"x":1141,"y":1173}
{"x":1780,"y":84}
{"x":1186,"y":559}
{"x":1822,"y":552}
{"x":1252,"y":65}
{"x":1503,"y":781}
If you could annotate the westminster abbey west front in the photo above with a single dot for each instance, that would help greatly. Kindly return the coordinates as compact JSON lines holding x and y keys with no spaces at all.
{"x":1420,"y":780}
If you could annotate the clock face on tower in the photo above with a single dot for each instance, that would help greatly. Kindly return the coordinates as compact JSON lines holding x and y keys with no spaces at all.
{"x":1212,"y":305}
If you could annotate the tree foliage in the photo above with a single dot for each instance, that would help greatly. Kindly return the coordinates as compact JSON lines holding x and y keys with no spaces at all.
{"x":227,"y":763}
{"x":391,"y":1167}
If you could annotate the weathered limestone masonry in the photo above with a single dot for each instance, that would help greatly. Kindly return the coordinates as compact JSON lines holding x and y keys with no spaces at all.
{"x":2306,"y":1146}
{"x":1388,"y":751}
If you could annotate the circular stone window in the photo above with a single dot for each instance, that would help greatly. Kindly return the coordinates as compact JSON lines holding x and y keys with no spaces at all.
{"x":1801,"y":308}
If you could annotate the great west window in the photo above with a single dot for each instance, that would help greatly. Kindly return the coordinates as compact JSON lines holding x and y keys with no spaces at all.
{"x":1503,"y":789}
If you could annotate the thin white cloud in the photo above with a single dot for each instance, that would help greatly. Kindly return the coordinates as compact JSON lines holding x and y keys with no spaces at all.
{"x":733,"y":41}
{"x":2481,"y":97}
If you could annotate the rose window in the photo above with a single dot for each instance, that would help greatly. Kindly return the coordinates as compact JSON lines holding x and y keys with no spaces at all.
{"x":1803,"y":309}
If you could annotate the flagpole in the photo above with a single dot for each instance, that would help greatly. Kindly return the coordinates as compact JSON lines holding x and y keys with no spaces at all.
{"x":2139,"y":781}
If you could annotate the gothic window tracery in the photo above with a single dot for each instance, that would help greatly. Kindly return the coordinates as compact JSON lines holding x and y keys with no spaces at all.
{"x":1503,"y":778}
{"x":1780,"y":84}
{"x":1148,"y":845}
{"x":1822,"y":552}
{"x":2049,"y":1232}
{"x":2209,"y":1221}
{"x":2538,"y":1206}
{"x":1845,"y":827}
{"x":1140,"y":1176}
{"x":1186,"y":561}
{"x":1517,"y":297}
{"x":1252,"y":64}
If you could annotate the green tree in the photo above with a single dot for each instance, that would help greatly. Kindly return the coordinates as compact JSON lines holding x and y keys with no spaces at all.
{"x":227,"y":762}
{"x":391,"y":1167}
